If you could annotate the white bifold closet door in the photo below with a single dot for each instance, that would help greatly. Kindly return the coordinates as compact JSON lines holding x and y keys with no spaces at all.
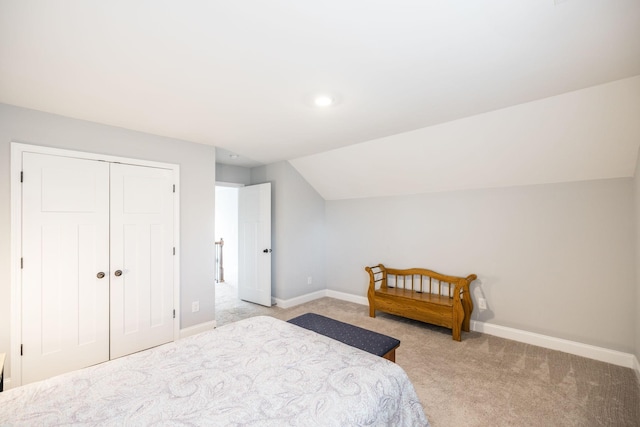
{"x":97,"y":277}
{"x":65,"y":244}
{"x":142,"y":250}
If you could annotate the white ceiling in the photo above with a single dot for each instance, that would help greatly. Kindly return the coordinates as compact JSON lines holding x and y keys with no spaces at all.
{"x":240,"y":74}
{"x":592,"y":133}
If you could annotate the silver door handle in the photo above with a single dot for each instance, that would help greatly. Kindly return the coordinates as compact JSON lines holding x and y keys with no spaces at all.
{"x":100,"y":275}
{"x":118,"y":273}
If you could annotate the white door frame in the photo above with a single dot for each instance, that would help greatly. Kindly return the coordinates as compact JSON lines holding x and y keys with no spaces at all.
{"x":17,"y":149}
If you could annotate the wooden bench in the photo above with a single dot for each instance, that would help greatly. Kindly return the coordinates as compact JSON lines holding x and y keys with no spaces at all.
{"x":364,"y":339}
{"x":422,"y":295}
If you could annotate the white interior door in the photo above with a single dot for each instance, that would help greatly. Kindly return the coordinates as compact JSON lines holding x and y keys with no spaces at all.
{"x":142,"y":245}
{"x":65,"y":241}
{"x":254,"y":240}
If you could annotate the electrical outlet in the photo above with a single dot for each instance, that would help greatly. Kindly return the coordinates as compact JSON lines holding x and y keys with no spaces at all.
{"x":309,"y":280}
{"x":195,"y":306}
{"x":482,"y":303}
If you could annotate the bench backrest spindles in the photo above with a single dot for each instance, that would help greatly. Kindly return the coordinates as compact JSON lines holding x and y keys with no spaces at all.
{"x":439,"y":284}
{"x":378,"y":276}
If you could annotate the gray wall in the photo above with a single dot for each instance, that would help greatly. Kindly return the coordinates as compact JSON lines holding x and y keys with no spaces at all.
{"x":197,"y":185}
{"x":298,"y":230}
{"x":235,"y":174}
{"x":552,"y":259}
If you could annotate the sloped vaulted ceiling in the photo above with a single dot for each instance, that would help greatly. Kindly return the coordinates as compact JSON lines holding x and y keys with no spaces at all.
{"x":240,"y":75}
{"x":589,"y":134}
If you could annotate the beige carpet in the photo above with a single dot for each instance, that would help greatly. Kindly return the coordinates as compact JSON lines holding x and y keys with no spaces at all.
{"x":483,"y":380}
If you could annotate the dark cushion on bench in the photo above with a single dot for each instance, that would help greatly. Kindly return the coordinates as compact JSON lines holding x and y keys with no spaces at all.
{"x":354,"y":336}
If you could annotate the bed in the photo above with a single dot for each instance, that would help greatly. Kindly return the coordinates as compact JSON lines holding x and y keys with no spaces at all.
{"x":259,"y":371}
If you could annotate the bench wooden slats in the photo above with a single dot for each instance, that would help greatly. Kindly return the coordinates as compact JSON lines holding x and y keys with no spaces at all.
{"x":420,"y":296}
{"x":446,"y":303}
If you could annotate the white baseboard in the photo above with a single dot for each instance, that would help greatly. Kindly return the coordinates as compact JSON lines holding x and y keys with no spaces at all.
{"x":6,"y":384}
{"x":347,"y":297}
{"x":196,"y":329}
{"x":602,"y":354}
{"x":579,"y":349}
{"x":288,"y":303}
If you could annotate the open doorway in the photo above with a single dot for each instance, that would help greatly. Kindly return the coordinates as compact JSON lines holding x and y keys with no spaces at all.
{"x":229,"y":307}
{"x":226,"y":241}
{"x":227,"y":235}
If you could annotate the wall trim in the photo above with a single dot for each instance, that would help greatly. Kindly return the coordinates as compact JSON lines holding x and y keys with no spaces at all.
{"x":347,"y":297}
{"x":573,"y":347}
{"x":196,"y":329}
{"x":288,"y":303}
{"x":229,"y":184}
{"x":602,"y":354}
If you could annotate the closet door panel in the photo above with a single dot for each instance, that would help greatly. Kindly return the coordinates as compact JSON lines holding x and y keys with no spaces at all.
{"x":142,"y":250}
{"x":65,"y":232}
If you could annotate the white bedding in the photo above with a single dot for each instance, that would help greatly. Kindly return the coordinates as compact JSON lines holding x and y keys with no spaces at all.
{"x":256,"y":372}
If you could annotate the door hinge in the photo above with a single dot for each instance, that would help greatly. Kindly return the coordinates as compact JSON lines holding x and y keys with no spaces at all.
{"x":21,"y":350}
{"x":174,"y":250}
{"x":174,"y":188}
{"x":21,"y":176}
{"x":21,"y":263}
{"x":174,"y":313}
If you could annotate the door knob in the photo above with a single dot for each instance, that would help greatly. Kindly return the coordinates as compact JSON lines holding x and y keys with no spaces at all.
{"x":118,"y":273}
{"x":100,"y":275}
{"x":266,"y":251}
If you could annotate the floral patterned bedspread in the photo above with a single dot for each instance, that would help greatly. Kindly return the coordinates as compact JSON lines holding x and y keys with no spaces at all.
{"x":256,"y":372}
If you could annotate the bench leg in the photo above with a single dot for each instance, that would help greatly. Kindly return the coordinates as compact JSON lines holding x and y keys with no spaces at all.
{"x":391,"y":355}
{"x":466,"y":323}
{"x":372,"y":304}
{"x":467,"y":305}
{"x":456,"y":333}
{"x":458,"y":318}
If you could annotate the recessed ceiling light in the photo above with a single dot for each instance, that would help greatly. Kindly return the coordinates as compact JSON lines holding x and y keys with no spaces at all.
{"x":323,"y":101}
